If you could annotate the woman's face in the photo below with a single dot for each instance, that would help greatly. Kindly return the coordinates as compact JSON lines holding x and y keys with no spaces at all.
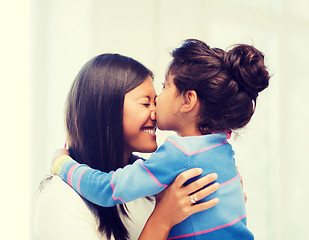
{"x":139,"y":121}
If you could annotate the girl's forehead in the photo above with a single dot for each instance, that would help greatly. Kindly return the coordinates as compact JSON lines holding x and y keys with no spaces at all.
{"x":169,"y":77}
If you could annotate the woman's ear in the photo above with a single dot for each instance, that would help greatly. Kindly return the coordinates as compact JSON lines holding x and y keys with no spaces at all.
{"x":190,"y":101}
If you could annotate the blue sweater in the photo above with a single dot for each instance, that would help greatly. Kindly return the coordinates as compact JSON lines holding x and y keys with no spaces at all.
{"x":212,"y":153}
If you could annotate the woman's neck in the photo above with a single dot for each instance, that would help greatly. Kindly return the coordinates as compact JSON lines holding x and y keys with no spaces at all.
{"x":126,"y":157}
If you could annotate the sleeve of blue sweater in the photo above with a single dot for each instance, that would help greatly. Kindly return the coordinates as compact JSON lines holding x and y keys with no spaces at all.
{"x":140,"y":179}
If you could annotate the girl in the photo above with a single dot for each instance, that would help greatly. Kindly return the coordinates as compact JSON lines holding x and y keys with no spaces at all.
{"x":207,"y":94}
{"x":111,"y":90}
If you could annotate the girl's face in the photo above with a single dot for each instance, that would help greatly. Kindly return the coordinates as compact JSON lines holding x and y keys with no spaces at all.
{"x":168,"y":106}
{"x":139,"y":120}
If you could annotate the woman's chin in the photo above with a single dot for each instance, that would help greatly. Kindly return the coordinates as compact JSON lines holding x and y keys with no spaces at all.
{"x":150,"y":149}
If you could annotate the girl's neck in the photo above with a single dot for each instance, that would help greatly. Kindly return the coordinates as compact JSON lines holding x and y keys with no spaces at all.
{"x":189,"y":131}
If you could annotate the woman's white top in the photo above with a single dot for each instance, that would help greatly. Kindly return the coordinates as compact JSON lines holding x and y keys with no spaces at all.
{"x":60,"y":213}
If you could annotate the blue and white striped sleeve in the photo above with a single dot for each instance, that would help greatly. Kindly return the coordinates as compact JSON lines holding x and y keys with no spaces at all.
{"x":140,"y":179}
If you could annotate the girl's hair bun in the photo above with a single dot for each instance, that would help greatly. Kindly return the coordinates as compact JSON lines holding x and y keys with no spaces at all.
{"x":246,"y":66}
{"x":227,"y":83}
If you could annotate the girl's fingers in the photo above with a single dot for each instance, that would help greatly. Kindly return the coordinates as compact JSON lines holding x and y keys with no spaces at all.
{"x":201,"y":182}
{"x":186,"y":175}
{"x":245,"y":196}
{"x":242,"y":185}
{"x":241,"y":182}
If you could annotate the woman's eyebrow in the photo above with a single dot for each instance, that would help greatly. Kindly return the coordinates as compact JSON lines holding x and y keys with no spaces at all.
{"x":143,"y":96}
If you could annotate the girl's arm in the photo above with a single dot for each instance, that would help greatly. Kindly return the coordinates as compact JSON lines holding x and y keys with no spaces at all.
{"x":173,"y":205}
{"x":140,"y":179}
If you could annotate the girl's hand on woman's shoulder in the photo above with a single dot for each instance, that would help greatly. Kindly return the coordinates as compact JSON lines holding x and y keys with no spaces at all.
{"x":178,"y":202}
{"x":58,"y":153}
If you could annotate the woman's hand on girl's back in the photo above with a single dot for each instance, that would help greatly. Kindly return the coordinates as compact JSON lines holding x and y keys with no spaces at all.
{"x":177,"y":202}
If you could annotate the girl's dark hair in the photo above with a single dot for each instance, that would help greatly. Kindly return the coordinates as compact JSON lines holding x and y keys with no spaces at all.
{"x":227,"y":83}
{"x":94,"y":118}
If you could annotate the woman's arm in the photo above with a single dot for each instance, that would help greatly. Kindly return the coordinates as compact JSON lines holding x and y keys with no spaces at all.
{"x":174,"y":205}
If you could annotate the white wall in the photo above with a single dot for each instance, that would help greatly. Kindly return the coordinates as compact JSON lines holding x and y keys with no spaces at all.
{"x":14,"y":120}
{"x":270,"y":151}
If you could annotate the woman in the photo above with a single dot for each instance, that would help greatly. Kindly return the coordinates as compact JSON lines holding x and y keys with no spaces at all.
{"x":106,"y":122}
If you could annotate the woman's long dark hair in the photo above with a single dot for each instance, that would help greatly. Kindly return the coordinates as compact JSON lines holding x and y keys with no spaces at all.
{"x":227,"y":83}
{"x":94,"y":121}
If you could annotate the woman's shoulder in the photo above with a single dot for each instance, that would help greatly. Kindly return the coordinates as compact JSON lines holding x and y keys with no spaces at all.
{"x":55,"y":191}
{"x":60,"y":211}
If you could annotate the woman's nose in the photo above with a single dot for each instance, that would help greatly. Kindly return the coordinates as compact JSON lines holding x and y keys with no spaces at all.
{"x":153,"y":114}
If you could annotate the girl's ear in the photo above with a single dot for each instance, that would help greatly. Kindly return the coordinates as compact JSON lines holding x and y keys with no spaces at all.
{"x":190,"y":101}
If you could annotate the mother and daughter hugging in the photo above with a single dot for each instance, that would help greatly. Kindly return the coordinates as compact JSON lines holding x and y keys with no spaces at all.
{"x":189,"y":188}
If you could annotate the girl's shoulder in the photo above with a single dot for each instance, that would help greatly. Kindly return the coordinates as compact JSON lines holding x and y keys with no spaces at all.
{"x":194,"y":144}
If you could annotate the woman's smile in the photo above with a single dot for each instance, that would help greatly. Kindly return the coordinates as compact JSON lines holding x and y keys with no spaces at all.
{"x":150,"y":130}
